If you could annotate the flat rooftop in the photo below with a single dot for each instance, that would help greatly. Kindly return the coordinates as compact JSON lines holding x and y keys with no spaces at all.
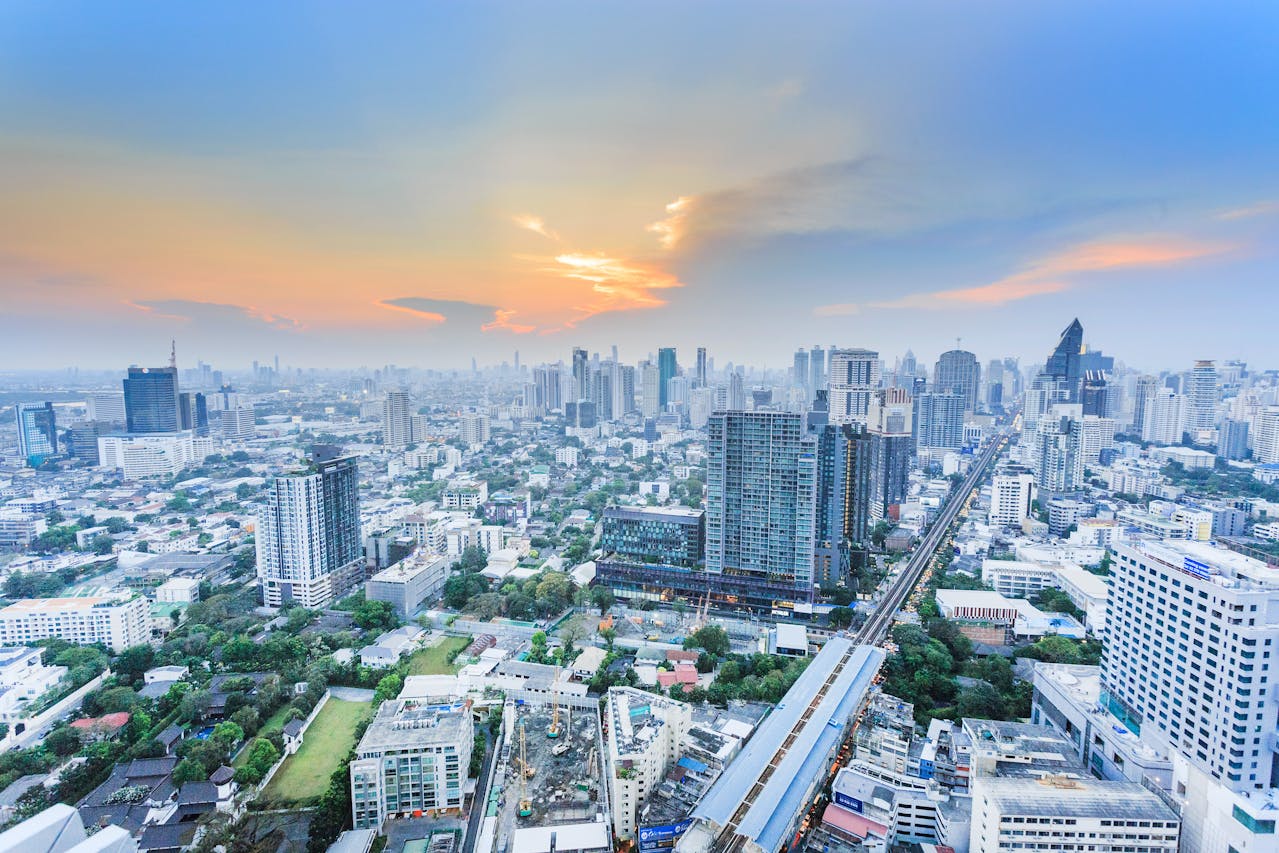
{"x":1223,"y":565}
{"x":1083,"y":797}
{"x":410,"y":723}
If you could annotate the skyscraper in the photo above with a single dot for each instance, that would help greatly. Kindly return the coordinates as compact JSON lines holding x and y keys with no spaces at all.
{"x":37,"y":430}
{"x":760,"y":507}
{"x":843,"y":494}
{"x":799,"y":373}
{"x":939,"y":421}
{"x":700,"y":378}
{"x":1265,"y":445}
{"x":1146,"y":387}
{"x":581,"y":374}
{"x":194,"y":410}
{"x":547,"y":388}
{"x":1232,"y":439}
{"x":151,"y":400}
{"x":650,"y":394}
{"x":816,"y":371}
{"x":889,"y":424}
{"x":1094,"y":393}
{"x":666,"y":368}
{"x":1165,"y":418}
{"x":397,"y":420}
{"x":1202,"y":394}
{"x":736,"y":392}
{"x":908,"y":368}
{"x":854,"y":376}
{"x":957,"y":370}
{"x":1063,"y":365}
{"x":1056,"y":453}
{"x":308,"y":537}
{"x":106,"y":408}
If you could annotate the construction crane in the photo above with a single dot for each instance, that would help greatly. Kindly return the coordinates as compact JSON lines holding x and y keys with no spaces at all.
{"x":526,"y":804}
{"x":554,"y":730}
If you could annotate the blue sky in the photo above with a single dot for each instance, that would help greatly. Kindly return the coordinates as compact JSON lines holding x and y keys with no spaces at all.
{"x":350,"y":184}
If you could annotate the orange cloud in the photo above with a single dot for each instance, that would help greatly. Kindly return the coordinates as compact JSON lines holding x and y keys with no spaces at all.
{"x":670,"y":230}
{"x":1052,"y":274}
{"x":502,"y":322}
{"x":537,"y":225}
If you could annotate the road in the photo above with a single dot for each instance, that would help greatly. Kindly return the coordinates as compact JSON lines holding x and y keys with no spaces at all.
{"x":876,"y":628}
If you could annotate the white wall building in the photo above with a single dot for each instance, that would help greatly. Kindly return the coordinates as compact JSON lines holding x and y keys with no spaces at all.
{"x":142,"y":456}
{"x":645,"y":733}
{"x":117,"y":623}
{"x":1011,"y":496}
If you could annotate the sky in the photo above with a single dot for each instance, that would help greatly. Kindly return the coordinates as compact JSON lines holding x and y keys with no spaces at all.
{"x":351,"y":184}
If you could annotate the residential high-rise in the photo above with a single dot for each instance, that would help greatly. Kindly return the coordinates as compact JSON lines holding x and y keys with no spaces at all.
{"x":650,"y":394}
{"x":958,"y":371}
{"x":761,"y":503}
{"x":473,"y":428}
{"x":37,"y":430}
{"x":939,"y":420}
{"x":889,"y":423}
{"x":624,"y":391}
{"x":397,"y":420}
{"x":816,"y":370}
{"x":736,"y":392}
{"x":1011,"y":495}
{"x":1203,"y":391}
{"x":854,"y":376}
{"x":547,"y":388}
{"x":308,"y":538}
{"x":1232,"y":439}
{"x":602,"y":381}
{"x":666,"y":368}
{"x":700,"y":376}
{"x":1056,"y":452}
{"x":843,"y":493}
{"x":1265,"y":445}
{"x":1146,"y":387}
{"x":151,"y":400}
{"x":1165,"y":418}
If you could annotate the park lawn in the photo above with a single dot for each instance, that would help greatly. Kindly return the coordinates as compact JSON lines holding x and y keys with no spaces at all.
{"x":305,"y":774}
{"x":434,"y":660}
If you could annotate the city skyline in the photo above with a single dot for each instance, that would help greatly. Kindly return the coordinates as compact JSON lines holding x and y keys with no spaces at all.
{"x":421,"y":186}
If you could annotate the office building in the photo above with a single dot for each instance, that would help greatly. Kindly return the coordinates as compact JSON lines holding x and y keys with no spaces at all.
{"x":1063,"y":366}
{"x":799,"y":372}
{"x":761,"y":505}
{"x":959,"y":372}
{"x":671,"y":535}
{"x":699,"y":376}
{"x":397,"y":420}
{"x":1012,"y":495}
{"x":650,"y":393}
{"x":414,"y":758}
{"x":238,"y":424}
{"x":736,"y":401}
{"x":1094,"y":393}
{"x":854,"y":376}
{"x":1144,"y":390}
{"x":116,"y":623}
{"x":106,"y":408}
{"x":1190,"y":631}
{"x":817,"y":374}
{"x":581,"y":380}
{"x":939,"y":421}
{"x":37,"y":431}
{"x":151,"y":400}
{"x":580,"y":414}
{"x":547,"y":387}
{"x":308,"y":538}
{"x":645,"y":739}
{"x":409,"y":583}
{"x":1164,"y":421}
{"x":666,"y":370}
{"x":194,"y":412}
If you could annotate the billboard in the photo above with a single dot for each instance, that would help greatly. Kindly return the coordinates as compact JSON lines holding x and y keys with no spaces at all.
{"x":662,"y":837}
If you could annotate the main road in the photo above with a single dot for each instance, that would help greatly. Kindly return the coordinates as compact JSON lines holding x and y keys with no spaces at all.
{"x":876,"y":628}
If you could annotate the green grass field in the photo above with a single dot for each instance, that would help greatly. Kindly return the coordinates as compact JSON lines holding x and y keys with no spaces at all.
{"x":305,"y":774}
{"x":435,"y":660}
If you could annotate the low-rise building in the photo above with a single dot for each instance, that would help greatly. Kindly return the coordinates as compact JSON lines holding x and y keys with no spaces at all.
{"x":409,"y":583}
{"x":414,"y":757}
{"x":116,"y":623}
{"x":645,"y":736}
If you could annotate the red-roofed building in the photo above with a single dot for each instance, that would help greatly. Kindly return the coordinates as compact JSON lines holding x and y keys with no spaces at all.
{"x":852,"y":826}
{"x":682,"y":655}
{"x":99,"y":728}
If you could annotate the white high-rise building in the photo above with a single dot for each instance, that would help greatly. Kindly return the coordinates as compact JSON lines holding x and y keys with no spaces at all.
{"x":239,"y":424}
{"x":1165,"y":418}
{"x":1011,"y":496}
{"x":1202,"y":394}
{"x":474,"y":428}
{"x":108,"y":408}
{"x":150,"y":455}
{"x":1057,"y":453}
{"x":650,"y":395}
{"x":308,"y":538}
{"x":397,"y":420}
{"x":1096,"y":434}
{"x":854,"y":376}
{"x":1265,"y":442}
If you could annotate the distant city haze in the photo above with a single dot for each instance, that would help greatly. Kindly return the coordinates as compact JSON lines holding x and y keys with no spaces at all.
{"x":427,"y":184}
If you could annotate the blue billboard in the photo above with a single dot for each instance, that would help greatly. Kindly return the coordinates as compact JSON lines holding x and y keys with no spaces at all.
{"x":851,"y":803}
{"x":662,"y":837}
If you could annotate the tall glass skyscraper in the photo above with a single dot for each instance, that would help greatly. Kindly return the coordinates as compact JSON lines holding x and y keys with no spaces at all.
{"x":959,"y":372}
{"x":1063,"y":365}
{"x":37,"y":430}
{"x":308,"y":538}
{"x":665,"y":370}
{"x":151,"y":402}
{"x":760,"y":507}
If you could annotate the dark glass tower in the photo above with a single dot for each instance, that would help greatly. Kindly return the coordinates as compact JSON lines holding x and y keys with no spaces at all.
{"x":665,"y":370}
{"x":151,"y":402}
{"x":1063,"y":365}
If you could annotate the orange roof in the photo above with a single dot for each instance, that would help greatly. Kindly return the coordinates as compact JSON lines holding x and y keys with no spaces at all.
{"x":106,"y":721}
{"x":852,"y":824}
{"x":681,"y":655}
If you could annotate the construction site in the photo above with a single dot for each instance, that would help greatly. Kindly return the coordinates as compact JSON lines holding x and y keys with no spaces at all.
{"x":548,"y":785}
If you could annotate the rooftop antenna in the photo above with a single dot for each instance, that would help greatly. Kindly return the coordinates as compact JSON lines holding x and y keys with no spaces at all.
{"x":173,"y":353}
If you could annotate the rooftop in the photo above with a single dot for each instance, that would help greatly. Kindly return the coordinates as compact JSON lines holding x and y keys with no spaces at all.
{"x":1221,"y":565}
{"x":411,"y":723}
{"x":1057,"y":796}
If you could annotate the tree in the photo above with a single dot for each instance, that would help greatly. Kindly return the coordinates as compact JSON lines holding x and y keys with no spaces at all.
{"x":981,"y":700}
{"x":376,"y":616}
{"x":63,"y":740}
{"x":712,"y":638}
{"x":133,"y":662}
{"x":102,"y":545}
{"x":602,"y":597}
{"x":841,"y":617}
{"x":609,"y":636}
{"x":389,"y":687}
{"x":189,"y":770}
